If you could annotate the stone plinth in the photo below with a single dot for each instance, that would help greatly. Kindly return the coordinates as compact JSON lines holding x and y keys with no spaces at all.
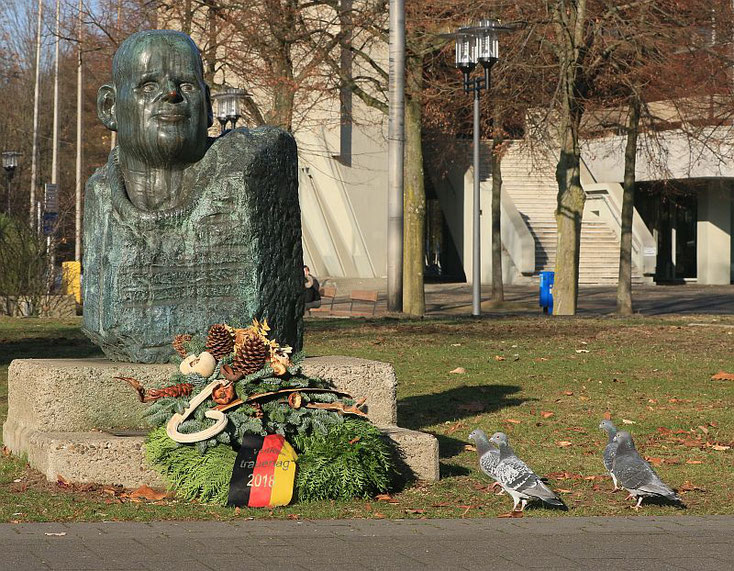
{"x":64,"y":414}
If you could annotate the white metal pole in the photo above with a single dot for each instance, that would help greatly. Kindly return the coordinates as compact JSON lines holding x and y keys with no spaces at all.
{"x":396,"y":146}
{"x":79,"y":78}
{"x":476,"y":230}
{"x":36,"y":96}
{"x":113,"y":136}
{"x":55,"y":144}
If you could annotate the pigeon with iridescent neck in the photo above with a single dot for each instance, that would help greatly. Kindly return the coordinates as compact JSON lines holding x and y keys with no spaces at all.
{"x":489,"y":455}
{"x":637,"y":476}
{"x":610,"y":449}
{"x":518,"y":479}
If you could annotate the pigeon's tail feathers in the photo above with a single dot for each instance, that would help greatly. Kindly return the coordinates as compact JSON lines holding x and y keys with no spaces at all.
{"x":556,"y":502}
{"x":660,"y":488}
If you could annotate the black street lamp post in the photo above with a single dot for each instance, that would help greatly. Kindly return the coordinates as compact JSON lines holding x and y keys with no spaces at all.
{"x":10,"y":163}
{"x":228,"y":106}
{"x":477,"y":45}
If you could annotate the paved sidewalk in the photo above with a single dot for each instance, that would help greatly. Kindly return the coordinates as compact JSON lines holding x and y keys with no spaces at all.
{"x":650,"y":543}
{"x":455,"y":299}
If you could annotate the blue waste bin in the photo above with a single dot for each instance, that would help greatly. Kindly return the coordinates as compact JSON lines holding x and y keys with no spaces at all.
{"x":546,"y":291}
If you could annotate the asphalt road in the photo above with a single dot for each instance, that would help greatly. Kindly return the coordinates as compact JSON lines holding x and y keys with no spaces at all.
{"x":649,"y":543}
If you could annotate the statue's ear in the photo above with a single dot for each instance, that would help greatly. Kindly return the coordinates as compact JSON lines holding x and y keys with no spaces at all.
{"x":209,"y":111}
{"x":106,"y":107}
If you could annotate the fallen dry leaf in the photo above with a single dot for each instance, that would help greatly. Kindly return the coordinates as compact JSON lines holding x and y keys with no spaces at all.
{"x":355,"y":440}
{"x":294,"y":516}
{"x":564,"y":476}
{"x":694,"y":462}
{"x":546,"y":413}
{"x":6,"y":451}
{"x":607,"y":415}
{"x":61,"y":482}
{"x":456,"y":426}
{"x":473,"y":406}
{"x":568,"y":393}
{"x":512,"y":514}
{"x":470,"y":448}
{"x":414,"y":511}
{"x":386,"y":498}
{"x":722,"y":376}
{"x":147,"y":493}
{"x":458,"y":371}
{"x":499,"y":358}
{"x":703,"y":429}
{"x":55,"y":534}
{"x":720,"y":448}
{"x":582,"y":350}
{"x":626,"y":421}
{"x":512,"y":420}
{"x":654,"y":461}
{"x":563,"y":491}
{"x":378,"y":515}
{"x":689,"y":487}
{"x":442,"y":505}
{"x":564,"y":443}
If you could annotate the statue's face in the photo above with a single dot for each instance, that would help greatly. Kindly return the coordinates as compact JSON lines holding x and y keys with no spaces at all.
{"x":161,"y":103}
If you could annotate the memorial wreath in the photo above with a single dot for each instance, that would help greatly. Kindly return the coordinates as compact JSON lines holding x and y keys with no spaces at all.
{"x":240,"y":424}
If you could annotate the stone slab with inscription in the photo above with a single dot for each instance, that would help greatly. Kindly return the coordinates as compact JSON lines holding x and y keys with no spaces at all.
{"x":231,"y":253}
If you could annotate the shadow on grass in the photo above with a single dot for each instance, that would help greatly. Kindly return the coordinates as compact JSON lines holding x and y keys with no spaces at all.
{"x":48,"y":348}
{"x":452,"y":470}
{"x":420,"y":411}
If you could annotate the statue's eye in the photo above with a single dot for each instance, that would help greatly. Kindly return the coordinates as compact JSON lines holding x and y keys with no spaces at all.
{"x":149,"y":87}
{"x":187,"y":87}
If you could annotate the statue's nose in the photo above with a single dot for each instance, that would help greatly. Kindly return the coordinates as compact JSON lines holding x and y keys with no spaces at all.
{"x":171,"y":93}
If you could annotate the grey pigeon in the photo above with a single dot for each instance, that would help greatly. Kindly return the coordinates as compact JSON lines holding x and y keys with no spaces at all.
{"x":518,"y":479}
{"x":489,"y":455}
{"x":635,"y":475}
{"x":610,"y":448}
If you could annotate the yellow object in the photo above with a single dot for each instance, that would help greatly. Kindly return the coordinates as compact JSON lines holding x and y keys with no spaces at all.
{"x":284,"y":475}
{"x":71,"y":279}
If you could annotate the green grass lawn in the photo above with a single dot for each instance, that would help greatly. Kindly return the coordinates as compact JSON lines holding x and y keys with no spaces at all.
{"x":545,"y":382}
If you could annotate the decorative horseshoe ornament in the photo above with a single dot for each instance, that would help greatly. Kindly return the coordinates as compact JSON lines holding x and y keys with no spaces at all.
{"x":211,"y":432}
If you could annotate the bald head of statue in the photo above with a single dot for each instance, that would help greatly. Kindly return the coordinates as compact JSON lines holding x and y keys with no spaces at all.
{"x":158,"y":102}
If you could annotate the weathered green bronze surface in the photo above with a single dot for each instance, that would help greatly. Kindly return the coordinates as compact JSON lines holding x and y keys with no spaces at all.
{"x":181,"y":231}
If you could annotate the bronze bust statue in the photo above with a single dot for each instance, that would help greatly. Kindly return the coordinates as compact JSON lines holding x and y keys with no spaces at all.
{"x":181,"y":230}
{"x":161,"y":109}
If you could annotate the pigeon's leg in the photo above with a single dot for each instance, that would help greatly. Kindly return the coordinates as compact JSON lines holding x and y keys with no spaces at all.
{"x":523,"y":503}
{"x":517,"y":501}
{"x":616,"y":486}
{"x":639,"y":503}
{"x":497,"y":485}
{"x":630,"y":497}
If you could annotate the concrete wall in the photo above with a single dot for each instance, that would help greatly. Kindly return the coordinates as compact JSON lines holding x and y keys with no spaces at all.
{"x":714,"y":236}
{"x":668,"y":155}
{"x":344,"y":206}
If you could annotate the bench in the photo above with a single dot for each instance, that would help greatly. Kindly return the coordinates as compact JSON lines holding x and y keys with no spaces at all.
{"x":327,"y":293}
{"x":363,"y":297}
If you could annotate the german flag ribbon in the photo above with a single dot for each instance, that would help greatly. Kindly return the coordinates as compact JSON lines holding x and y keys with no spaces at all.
{"x":264,"y":472}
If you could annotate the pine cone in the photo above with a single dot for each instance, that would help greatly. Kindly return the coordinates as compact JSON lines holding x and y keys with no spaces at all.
{"x":219,"y":341}
{"x":179,"y":390}
{"x":250,"y":356}
{"x":178,"y":344}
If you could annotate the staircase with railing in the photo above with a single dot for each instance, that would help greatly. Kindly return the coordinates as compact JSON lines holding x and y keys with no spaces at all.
{"x":531,"y":184}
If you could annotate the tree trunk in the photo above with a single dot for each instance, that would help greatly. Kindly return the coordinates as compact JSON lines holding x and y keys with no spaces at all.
{"x":569,"y":214}
{"x":624,"y":285}
{"x":210,"y":53}
{"x":498,"y":293}
{"x":414,"y":199}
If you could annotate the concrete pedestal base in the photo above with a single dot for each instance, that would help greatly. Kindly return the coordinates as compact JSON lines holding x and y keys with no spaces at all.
{"x":64,"y":415}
